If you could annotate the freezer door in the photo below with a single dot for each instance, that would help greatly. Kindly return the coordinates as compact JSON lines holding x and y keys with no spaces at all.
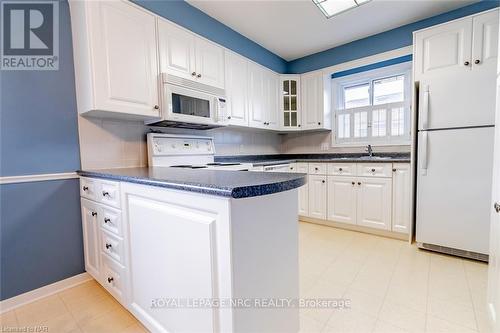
{"x":454,"y":188}
{"x":452,"y":101}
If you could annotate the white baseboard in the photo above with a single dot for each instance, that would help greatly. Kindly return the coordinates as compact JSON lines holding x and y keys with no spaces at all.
{"x":51,"y":289}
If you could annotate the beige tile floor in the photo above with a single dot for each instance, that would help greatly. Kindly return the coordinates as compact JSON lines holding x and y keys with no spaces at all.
{"x":392,"y":286}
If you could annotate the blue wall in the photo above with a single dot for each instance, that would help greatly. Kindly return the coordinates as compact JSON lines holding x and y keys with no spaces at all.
{"x":40,"y":222}
{"x":40,"y":235}
{"x":383,"y":42}
{"x":192,"y":18}
{"x":38,"y":127}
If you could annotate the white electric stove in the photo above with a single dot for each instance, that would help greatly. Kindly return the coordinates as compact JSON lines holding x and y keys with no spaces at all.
{"x":186,"y":151}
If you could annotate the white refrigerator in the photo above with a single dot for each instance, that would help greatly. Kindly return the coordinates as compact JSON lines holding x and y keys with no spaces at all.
{"x":454,"y":166}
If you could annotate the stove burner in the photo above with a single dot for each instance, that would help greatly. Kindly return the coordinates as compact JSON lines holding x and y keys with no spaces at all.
{"x":187,"y":166}
{"x":223,"y":164}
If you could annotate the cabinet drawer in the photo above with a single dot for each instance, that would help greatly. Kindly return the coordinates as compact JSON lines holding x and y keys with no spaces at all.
{"x":317,"y":168}
{"x":111,"y":220}
{"x":342,"y":169}
{"x":374,"y":170}
{"x":112,"y":246}
{"x":113,"y":276}
{"x":88,"y":188}
{"x":109,"y":193}
{"x":302,"y":167}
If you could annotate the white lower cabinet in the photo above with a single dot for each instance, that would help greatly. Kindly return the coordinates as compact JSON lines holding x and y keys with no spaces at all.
{"x":369,"y":195}
{"x":374,"y":202}
{"x":342,"y":199}
{"x":401,"y":198}
{"x":91,"y":246}
{"x":317,"y":196}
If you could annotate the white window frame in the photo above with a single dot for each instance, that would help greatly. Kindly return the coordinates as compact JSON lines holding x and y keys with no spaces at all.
{"x":338,"y":85}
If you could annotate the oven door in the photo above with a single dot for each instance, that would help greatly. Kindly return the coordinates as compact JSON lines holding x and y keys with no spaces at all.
{"x":190,"y":106}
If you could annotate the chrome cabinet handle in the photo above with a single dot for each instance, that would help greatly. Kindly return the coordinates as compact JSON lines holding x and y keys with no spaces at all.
{"x":466,"y":63}
{"x":497,"y":207}
{"x":323,"y":181}
{"x":107,"y":219}
{"x":477,"y":61}
{"x":110,"y":279}
{"x":394,"y":170}
{"x":108,"y":246}
{"x":105,"y":193}
{"x":85,"y":188}
{"x":193,"y":73}
{"x":373,"y":170}
{"x":316,"y":169}
{"x":353,"y":183}
{"x":228,"y":117}
{"x":156,"y":107}
{"x":94,"y":213}
{"x":198,"y":76}
{"x":319,"y":123}
{"x":359,"y":183}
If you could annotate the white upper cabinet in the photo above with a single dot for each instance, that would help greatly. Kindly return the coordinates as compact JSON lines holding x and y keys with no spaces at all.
{"x":271,"y":83}
{"x":256,"y":96}
{"x":237,"y":89}
{"x":177,"y":50}
{"x":209,"y":63}
{"x":485,"y":40}
{"x":186,"y":55}
{"x":457,"y":47}
{"x":289,"y":93}
{"x":444,"y":48}
{"x":316,"y":100}
{"x":116,"y":64}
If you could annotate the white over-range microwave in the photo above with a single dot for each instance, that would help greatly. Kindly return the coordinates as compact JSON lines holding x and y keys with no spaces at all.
{"x":188,"y":104}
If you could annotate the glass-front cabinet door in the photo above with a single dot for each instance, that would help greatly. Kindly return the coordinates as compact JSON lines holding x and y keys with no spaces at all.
{"x":290,"y":102}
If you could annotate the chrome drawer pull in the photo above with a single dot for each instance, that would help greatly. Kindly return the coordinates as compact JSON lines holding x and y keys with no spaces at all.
{"x":108,"y":246}
{"x":107,"y":219}
{"x":104,"y":193}
{"x":110,"y":279}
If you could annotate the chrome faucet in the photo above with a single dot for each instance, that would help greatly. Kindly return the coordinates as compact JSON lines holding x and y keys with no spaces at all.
{"x":369,"y":150}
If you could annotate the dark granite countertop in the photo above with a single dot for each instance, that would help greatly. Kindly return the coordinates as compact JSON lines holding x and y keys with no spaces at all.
{"x":235,"y":184}
{"x":264,"y":160}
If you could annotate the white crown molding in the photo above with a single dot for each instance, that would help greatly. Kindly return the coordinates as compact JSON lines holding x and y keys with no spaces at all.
{"x":37,"y":178}
{"x":407,"y":50}
{"x":51,"y":289}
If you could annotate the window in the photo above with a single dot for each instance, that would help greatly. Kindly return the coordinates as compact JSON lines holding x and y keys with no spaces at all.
{"x":373,"y":107}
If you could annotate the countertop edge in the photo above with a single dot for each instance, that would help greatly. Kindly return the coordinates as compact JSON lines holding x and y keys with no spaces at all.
{"x":237,"y":192}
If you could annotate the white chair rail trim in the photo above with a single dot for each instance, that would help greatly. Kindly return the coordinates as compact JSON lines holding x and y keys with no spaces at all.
{"x":37,"y":178}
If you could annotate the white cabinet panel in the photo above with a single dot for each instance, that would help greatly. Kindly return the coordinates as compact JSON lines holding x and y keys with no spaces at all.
{"x":342,"y":199}
{"x":318,"y":168}
{"x":315,"y":98}
{"x":485,"y":40}
{"x":374,"y":202}
{"x":289,"y":94}
{"x":256,"y":96}
{"x":113,"y":278}
{"x":112,"y":246}
{"x":374,"y":169}
{"x":303,"y":191}
{"x":317,"y":196}
{"x":209,"y":63}
{"x":271,"y":99}
{"x":342,"y":169}
{"x":179,"y":264}
{"x":444,"y":48}
{"x":91,"y":237}
{"x":401,"y":197}
{"x":236,"y":89}
{"x":177,"y":50}
{"x":124,"y":58}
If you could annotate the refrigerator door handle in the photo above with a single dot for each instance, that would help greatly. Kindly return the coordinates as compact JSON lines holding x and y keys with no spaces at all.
{"x":425,"y":107}
{"x":423,"y":153}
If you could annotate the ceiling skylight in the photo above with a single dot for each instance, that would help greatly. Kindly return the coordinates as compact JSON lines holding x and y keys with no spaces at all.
{"x":334,"y":7}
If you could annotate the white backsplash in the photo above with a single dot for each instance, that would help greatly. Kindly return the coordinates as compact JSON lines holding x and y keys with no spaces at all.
{"x":320,"y":142}
{"x":106,"y":143}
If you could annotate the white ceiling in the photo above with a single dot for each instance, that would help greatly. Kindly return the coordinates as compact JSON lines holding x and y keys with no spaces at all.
{"x":295,"y":28}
